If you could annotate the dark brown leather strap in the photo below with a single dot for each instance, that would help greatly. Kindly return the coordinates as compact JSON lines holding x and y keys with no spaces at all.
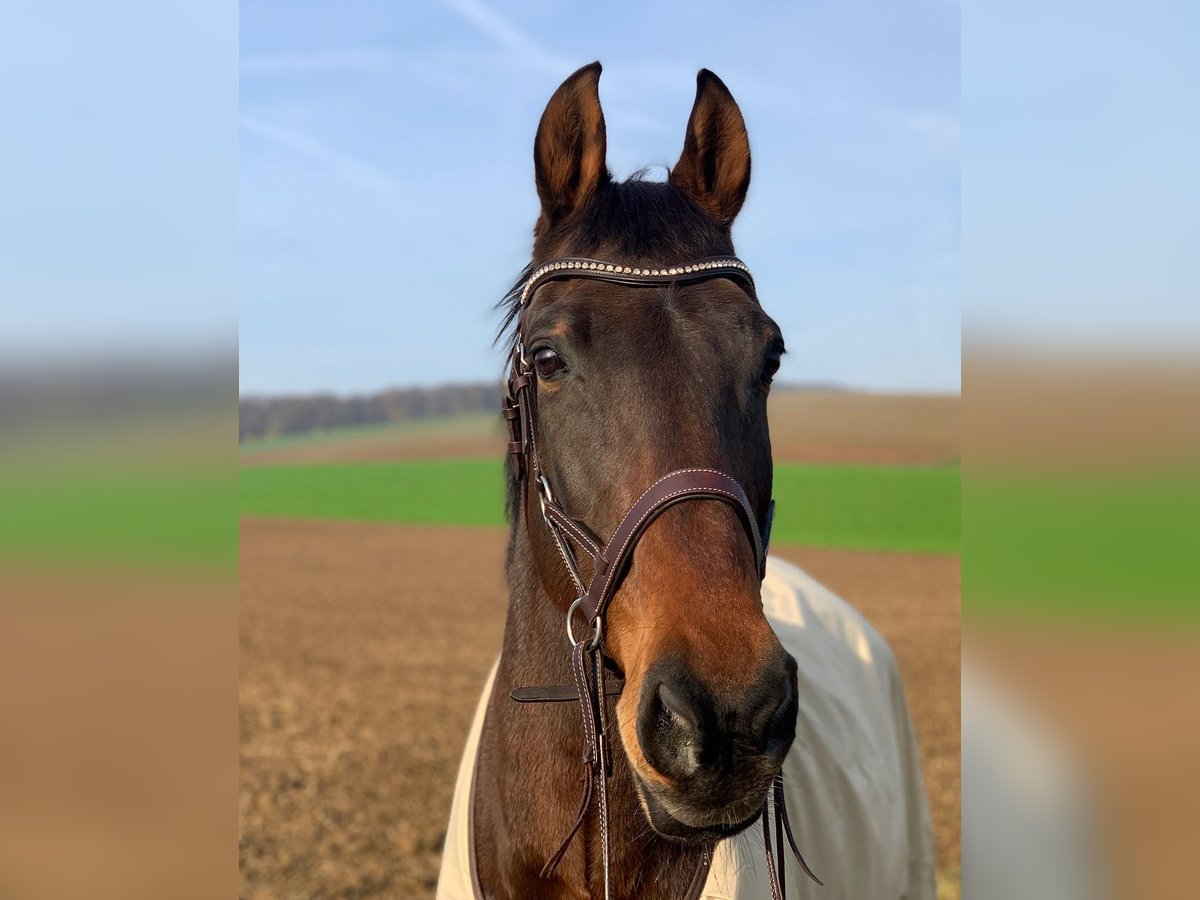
{"x":677,"y":487}
{"x":700,"y":876}
{"x":561,"y":693}
{"x":783,"y":826}
{"x":579,"y":533}
{"x":599,"y":270}
{"x":582,"y":669}
{"x":515,"y":410}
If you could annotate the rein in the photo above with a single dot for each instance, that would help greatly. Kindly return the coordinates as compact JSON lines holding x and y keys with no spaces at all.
{"x":609,"y":559}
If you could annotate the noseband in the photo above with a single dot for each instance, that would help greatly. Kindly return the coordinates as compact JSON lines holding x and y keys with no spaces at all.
{"x":610,"y":559}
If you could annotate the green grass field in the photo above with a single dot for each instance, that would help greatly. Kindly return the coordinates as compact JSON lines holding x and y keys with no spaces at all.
{"x":169,"y":517}
{"x":1094,"y":544}
{"x":864,"y":507}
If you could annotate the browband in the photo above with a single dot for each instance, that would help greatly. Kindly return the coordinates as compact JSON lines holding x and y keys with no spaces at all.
{"x":599,"y":270}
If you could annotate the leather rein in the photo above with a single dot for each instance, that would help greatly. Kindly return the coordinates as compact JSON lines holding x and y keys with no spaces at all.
{"x":609,"y":560}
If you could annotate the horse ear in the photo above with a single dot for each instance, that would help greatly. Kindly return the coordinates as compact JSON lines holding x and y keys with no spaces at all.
{"x":714,"y":170}
{"x":570,"y":148}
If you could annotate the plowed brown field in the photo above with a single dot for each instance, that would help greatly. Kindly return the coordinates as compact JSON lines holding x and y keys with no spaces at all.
{"x":364,"y":648}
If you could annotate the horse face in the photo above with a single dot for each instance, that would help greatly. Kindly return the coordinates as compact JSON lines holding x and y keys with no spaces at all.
{"x":634,"y":383}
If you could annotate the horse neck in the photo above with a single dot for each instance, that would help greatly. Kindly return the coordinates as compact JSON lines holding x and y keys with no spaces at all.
{"x":528,"y":781}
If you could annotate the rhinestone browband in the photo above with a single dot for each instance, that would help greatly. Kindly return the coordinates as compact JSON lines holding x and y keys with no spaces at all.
{"x":717,"y":266}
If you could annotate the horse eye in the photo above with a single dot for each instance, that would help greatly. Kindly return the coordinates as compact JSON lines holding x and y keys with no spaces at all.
{"x":547,"y":362}
{"x":771,"y":365}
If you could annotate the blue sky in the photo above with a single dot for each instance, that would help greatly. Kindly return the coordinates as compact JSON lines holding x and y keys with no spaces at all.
{"x":375,"y":136}
{"x":1081,"y":201}
{"x":386,"y":185}
{"x":118,"y":179}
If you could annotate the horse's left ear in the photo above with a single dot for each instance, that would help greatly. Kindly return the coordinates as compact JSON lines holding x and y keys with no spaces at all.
{"x":569,"y":152}
{"x":714,"y":170}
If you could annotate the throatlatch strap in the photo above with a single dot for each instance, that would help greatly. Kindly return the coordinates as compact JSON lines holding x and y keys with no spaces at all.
{"x":593,"y":755}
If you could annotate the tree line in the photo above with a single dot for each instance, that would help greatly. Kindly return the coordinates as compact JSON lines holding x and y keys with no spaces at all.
{"x":261,"y":417}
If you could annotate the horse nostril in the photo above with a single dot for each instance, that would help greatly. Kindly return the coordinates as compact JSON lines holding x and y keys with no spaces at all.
{"x":774,"y":725}
{"x":677,"y":707}
{"x":671,"y":730}
{"x":680,"y":727}
{"x":686,"y":730}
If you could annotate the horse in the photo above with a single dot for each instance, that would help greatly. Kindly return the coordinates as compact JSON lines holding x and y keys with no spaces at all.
{"x":670,"y":674}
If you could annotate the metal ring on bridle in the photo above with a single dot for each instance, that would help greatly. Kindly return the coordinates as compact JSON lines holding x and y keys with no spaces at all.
{"x":544,"y":493}
{"x":596,"y":637}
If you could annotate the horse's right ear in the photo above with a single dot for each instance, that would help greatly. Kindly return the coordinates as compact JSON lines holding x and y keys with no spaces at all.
{"x":570,"y":149}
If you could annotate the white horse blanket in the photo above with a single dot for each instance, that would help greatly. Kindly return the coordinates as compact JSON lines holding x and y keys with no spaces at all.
{"x":853,"y":776}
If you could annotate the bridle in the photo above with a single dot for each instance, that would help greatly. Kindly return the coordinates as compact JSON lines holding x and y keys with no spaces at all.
{"x":609,"y":559}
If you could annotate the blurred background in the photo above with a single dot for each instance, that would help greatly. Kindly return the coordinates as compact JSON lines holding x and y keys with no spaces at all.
{"x":331,"y":199}
{"x":1081,"y":487}
{"x":118,"y":481}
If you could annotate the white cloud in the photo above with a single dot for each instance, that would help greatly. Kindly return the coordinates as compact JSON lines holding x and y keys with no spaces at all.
{"x":523,"y":47}
{"x":350,"y":169}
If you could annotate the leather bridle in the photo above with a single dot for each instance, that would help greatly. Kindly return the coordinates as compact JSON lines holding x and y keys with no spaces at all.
{"x":609,"y":559}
